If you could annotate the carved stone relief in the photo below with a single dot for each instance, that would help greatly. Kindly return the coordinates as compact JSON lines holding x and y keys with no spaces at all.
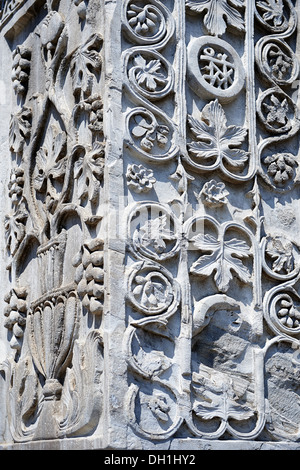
{"x":54,"y":250}
{"x":152,"y":253}
{"x":213,"y":281}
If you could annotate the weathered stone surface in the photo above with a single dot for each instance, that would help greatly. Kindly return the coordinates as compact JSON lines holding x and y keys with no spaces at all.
{"x":150,"y":255}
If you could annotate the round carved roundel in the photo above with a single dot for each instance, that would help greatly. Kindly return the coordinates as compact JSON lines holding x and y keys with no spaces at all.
{"x":215,"y":70}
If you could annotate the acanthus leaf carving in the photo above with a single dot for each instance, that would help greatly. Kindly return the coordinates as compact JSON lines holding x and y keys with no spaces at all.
{"x":82,"y":395}
{"x":22,"y":398}
{"x":218,"y":401}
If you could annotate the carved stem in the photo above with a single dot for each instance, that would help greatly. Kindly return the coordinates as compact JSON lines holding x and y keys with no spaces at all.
{"x":251,"y":99}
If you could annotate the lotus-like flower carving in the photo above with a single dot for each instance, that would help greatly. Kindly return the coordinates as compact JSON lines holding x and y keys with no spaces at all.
{"x":214,"y":194}
{"x":139,"y":178}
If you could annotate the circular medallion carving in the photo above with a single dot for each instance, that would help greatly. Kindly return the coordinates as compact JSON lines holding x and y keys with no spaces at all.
{"x":147,"y":24}
{"x":277,"y":61}
{"x":149,"y":74}
{"x":152,"y":290}
{"x":215,"y":70}
{"x":285,"y":313}
{"x":154,"y":232}
{"x":277,"y":111}
{"x":276,"y":16}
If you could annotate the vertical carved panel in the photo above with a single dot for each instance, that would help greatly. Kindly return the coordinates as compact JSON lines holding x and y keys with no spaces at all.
{"x":55,"y":251}
{"x":178,"y":157}
{"x":213,"y":276}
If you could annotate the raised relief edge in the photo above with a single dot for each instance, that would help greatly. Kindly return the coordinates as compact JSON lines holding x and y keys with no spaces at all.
{"x":13,"y":15}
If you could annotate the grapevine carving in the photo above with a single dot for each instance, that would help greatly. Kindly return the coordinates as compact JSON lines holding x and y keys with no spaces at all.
{"x":221,"y":247}
{"x":57,"y":147}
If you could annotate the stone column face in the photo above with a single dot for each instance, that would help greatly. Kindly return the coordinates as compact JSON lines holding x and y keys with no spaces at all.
{"x":150,"y":248}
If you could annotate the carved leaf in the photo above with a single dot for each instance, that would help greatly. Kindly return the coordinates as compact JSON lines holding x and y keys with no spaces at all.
{"x":148,"y":73}
{"x":281,"y":251}
{"x":277,"y":112}
{"x":82,"y":392}
{"x":50,"y":167}
{"x":222,"y":407}
{"x":22,"y":396}
{"x":273,"y":11}
{"x":86,"y":61}
{"x":225,"y":257}
{"x":155,"y":234}
{"x":15,"y":228}
{"x":216,"y":12}
{"x":48,"y":164}
{"x":19,"y":129}
{"x":218,"y":399}
{"x":215,"y":139}
{"x":88,"y":170}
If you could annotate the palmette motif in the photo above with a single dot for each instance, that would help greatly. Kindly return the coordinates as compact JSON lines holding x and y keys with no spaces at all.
{"x":194,"y":126}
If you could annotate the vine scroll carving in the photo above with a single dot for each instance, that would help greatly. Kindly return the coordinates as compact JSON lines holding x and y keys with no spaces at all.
{"x":151,"y":222}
